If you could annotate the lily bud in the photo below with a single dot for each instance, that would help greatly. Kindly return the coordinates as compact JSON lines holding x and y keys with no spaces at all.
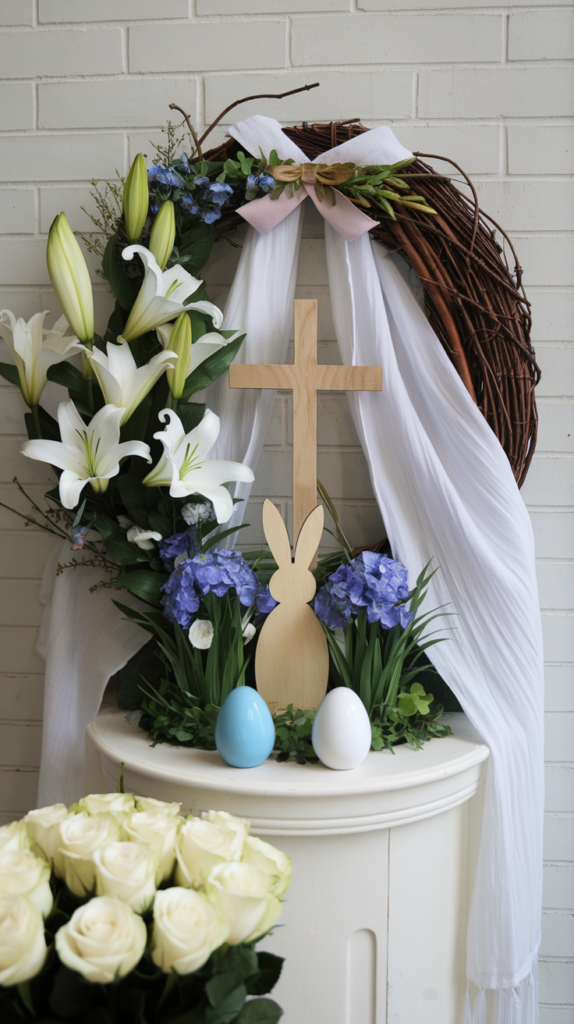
{"x":163,"y":234}
{"x":180,"y":343}
{"x":135,"y":200}
{"x":70,"y":278}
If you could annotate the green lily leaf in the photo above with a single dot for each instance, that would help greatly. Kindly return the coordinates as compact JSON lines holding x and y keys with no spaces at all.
{"x":10,"y":373}
{"x":211,"y":368}
{"x":145,"y":584}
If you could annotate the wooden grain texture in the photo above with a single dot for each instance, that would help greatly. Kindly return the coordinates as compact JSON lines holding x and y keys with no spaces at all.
{"x":292,"y":660}
{"x":304,"y":378}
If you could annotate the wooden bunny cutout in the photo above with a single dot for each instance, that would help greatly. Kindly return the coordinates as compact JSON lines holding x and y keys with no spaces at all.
{"x":292,"y":658}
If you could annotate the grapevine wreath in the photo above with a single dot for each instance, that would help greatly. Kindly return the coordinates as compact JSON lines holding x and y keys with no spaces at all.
{"x":475,"y":299}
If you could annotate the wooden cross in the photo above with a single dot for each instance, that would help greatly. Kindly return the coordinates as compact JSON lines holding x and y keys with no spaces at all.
{"x":304,"y":378}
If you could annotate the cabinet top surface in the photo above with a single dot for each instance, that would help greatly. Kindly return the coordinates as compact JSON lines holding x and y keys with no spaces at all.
{"x":384,"y":770}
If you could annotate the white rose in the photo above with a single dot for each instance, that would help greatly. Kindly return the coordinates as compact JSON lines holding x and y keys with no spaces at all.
{"x":201,"y":634}
{"x":186,"y":930}
{"x":159,"y":831}
{"x":200,"y":846}
{"x":43,"y":827}
{"x":127,"y":870}
{"x":14,"y":836}
{"x":103,"y":940}
{"x":22,"y":945}
{"x":80,"y":837}
{"x":22,"y":872}
{"x":107,"y":803}
{"x":148,"y":803}
{"x":245,"y":900}
{"x":272,"y":862}
{"x":239,"y":826}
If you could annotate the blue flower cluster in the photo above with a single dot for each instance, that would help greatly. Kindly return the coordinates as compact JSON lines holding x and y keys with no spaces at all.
{"x":371,"y":584}
{"x":262,"y":181}
{"x":216,"y":573}
{"x":207,"y":198}
{"x":201,"y":196}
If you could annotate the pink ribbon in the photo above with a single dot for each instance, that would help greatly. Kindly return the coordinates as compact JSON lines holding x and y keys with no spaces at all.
{"x":265,"y":213}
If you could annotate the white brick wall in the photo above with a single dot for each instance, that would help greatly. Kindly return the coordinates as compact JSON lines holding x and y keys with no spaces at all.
{"x":84,"y":84}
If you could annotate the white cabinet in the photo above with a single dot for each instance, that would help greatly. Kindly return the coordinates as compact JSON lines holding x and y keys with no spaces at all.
{"x":374,"y":923}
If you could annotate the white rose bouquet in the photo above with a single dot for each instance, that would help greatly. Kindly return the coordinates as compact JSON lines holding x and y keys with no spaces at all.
{"x":118,"y":908}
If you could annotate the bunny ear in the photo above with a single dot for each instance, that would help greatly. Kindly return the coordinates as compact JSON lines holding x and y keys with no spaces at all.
{"x":276,"y":534}
{"x":309,"y":537}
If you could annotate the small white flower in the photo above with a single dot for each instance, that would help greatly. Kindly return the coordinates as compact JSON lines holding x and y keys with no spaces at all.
{"x":86,"y":454}
{"x":142,"y":538}
{"x":248,"y":633}
{"x":124,"y":522}
{"x":201,"y":634}
{"x":197,"y":513}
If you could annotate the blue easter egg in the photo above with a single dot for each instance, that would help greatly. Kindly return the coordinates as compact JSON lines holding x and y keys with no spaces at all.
{"x":244,"y":731}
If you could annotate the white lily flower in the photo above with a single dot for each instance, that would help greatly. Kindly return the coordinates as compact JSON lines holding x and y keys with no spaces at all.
{"x":34,"y":349}
{"x":183,"y":467}
{"x":143,"y":538}
{"x":124,"y":383}
{"x":162,"y":296}
{"x":86,"y":454}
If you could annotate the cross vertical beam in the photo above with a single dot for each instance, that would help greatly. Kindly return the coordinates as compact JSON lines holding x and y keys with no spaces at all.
{"x":304,"y":378}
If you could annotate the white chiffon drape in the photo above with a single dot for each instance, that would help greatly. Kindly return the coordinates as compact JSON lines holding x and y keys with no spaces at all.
{"x":446,"y":493}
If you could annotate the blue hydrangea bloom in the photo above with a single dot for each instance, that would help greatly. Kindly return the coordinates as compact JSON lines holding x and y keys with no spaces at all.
{"x":371,"y":584}
{"x":165,"y":175}
{"x":178,"y":544}
{"x":210,"y":572}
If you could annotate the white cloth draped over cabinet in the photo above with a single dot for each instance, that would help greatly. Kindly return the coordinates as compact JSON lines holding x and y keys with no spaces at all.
{"x":446,"y":492}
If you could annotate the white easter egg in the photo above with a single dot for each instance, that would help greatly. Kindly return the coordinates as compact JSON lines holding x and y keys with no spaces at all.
{"x":341,"y":734}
